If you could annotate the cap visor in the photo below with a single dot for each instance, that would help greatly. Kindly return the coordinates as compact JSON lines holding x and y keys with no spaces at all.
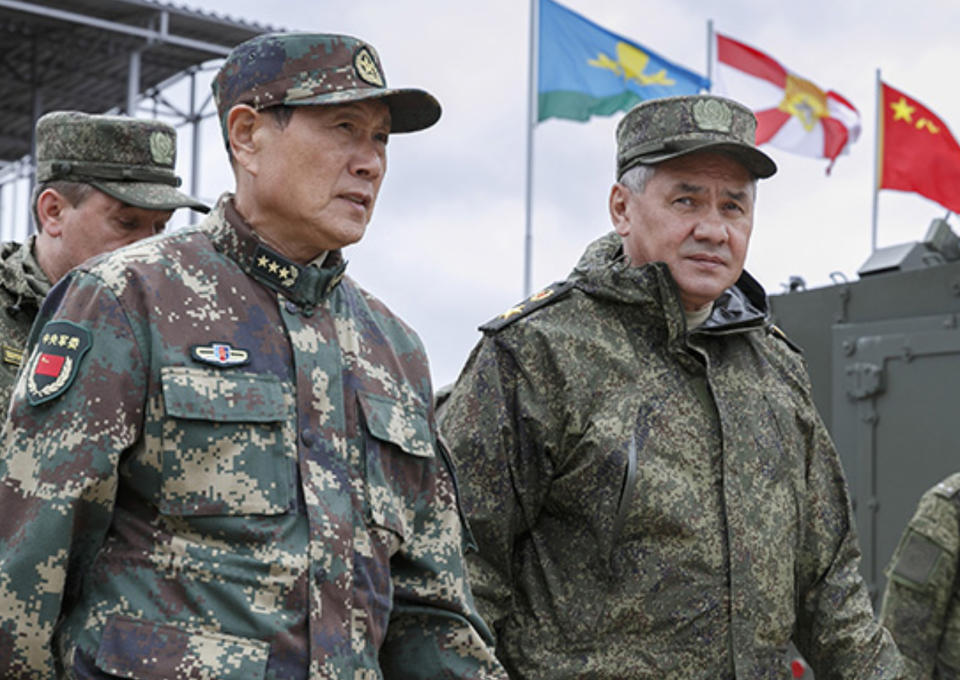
{"x":410,"y":109}
{"x":150,"y":196}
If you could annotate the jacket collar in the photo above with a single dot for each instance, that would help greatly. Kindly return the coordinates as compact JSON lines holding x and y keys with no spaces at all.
{"x":305,"y":285}
{"x":604,"y":272}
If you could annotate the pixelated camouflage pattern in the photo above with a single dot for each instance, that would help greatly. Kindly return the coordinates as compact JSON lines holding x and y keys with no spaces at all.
{"x":286,"y":518}
{"x":660,"y":129}
{"x":130,"y":159}
{"x":650,"y":503}
{"x":924,"y":614}
{"x":300,"y":69}
{"x":23,"y":286}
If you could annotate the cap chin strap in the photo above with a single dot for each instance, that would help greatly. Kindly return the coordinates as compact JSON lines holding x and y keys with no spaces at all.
{"x":86,"y":172}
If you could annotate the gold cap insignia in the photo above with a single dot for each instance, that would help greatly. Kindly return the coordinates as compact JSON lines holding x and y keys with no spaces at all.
{"x":161,"y":148}
{"x":712,"y":115}
{"x":367,"y":68}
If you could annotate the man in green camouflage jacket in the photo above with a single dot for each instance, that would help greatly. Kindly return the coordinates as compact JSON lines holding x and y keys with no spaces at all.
{"x":102,"y":182}
{"x":649,"y":484}
{"x":221,"y":459}
{"x":921,"y":605}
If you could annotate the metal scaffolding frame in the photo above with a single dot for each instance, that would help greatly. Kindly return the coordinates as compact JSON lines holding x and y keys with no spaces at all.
{"x":138,"y":57}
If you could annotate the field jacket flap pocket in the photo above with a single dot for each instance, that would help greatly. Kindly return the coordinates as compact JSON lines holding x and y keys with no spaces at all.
{"x":144,"y":650}
{"x":228,"y":443}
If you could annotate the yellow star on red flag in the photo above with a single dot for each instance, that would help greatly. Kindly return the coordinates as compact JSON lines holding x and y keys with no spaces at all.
{"x":902,"y":110}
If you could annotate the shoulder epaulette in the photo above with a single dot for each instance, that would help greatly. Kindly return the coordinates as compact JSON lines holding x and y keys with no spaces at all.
{"x":547,"y":296}
{"x":776,"y":332}
{"x":948,"y":488}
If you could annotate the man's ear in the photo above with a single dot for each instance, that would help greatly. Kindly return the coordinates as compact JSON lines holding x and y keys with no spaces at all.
{"x":243,"y":122}
{"x":619,"y":196}
{"x":51,"y":206}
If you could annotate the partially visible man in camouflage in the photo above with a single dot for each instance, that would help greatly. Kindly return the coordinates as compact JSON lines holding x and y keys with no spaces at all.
{"x":641,"y":462}
{"x":102,"y":182}
{"x":921,"y":605}
{"x":221,"y":459}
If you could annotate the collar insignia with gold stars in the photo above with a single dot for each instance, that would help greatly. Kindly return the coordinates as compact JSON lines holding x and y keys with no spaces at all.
{"x":220,"y":354}
{"x":274,"y":269}
{"x":54,"y":363}
{"x":539,"y":299}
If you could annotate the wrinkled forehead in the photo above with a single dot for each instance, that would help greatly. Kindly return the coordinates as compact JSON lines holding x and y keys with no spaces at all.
{"x":709,"y":166}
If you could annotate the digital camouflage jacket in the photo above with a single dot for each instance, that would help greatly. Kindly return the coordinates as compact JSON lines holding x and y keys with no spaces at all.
{"x":221,"y":464}
{"x":921,"y":605}
{"x":651,"y":502}
{"x":23,"y":286}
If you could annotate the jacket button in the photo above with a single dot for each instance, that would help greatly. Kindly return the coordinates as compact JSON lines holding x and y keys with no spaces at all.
{"x":308,"y":437}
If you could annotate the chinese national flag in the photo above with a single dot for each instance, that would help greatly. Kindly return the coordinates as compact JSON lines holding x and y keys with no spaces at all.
{"x":918,"y":154}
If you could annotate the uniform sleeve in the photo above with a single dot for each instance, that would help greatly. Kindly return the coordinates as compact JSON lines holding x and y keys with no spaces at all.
{"x":921,"y":581}
{"x":58,"y":467}
{"x":435,"y":631}
{"x":500,"y":434}
{"x":836,"y":629}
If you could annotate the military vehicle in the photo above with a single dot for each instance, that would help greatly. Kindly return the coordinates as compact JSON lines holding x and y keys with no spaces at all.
{"x":884,"y":359}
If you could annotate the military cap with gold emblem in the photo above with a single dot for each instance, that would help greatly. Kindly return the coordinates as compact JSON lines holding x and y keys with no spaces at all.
{"x":309,"y":69}
{"x":660,"y":129}
{"x":130,"y":159}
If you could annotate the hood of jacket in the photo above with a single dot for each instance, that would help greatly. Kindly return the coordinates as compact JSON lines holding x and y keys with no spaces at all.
{"x":21,"y":275}
{"x":603,"y":272}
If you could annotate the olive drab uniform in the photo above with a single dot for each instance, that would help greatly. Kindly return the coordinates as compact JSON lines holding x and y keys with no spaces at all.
{"x":23,"y":286}
{"x":921,"y":604}
{"x":222,"y":464}
{"x":651,"y":501}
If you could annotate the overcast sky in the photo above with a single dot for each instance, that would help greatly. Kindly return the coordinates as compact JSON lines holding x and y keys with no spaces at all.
{"x":445,"y":246}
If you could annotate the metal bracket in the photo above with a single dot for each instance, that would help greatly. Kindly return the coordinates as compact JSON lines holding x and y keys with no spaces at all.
{"x":863,"y":380}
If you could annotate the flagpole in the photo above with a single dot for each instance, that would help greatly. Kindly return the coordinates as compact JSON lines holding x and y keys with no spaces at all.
{"x":710,"y":44}
{"x":876,"y":162}
{"x":531,"y":124}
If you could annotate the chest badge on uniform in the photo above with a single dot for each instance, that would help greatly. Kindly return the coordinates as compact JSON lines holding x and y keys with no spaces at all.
{"x":220,"y":354}
{"x":56,"y":360}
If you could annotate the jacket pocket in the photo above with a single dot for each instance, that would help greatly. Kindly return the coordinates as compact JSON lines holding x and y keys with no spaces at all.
{"x":398,"y":453}
{"x":143,"y":650}
{"x":228,"y":443}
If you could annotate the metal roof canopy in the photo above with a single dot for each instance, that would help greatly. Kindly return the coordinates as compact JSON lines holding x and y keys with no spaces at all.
{"x":99,"y":56}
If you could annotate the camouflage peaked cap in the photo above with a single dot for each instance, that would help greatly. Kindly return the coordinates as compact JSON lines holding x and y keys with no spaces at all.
{"x":130,"y":159}
{"x":660,"y":129}
{"x":301,"y":69}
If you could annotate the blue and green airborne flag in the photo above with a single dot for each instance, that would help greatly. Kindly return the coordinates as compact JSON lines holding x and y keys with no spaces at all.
{"x":586,"y":70}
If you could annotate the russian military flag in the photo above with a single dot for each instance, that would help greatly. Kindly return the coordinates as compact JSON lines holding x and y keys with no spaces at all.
{"x":585,"y":70}
{"x":793,"y":113}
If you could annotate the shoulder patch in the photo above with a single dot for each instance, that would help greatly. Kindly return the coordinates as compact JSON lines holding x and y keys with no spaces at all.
{"x":547,"y":296}
{"x":776,"y":332}
{"x":56,"y":360}
{"x":917,"y":559}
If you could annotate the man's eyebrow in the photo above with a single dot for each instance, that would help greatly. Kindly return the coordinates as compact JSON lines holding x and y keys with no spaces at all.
{"x":689,"y":188}
{"x":737,"y":195}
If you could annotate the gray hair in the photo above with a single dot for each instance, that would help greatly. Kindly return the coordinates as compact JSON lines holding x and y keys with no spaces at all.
{"x":636,"y":178}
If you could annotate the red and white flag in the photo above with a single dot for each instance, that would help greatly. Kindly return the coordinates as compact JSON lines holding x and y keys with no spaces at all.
{"x":793,"y":114}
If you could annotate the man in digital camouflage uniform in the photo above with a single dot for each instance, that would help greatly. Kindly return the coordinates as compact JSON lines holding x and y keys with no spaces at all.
{"x":651,"y":490}
{"x":221,"y":460}
{"x":102,"y":182}
{"x":921,"y":605}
